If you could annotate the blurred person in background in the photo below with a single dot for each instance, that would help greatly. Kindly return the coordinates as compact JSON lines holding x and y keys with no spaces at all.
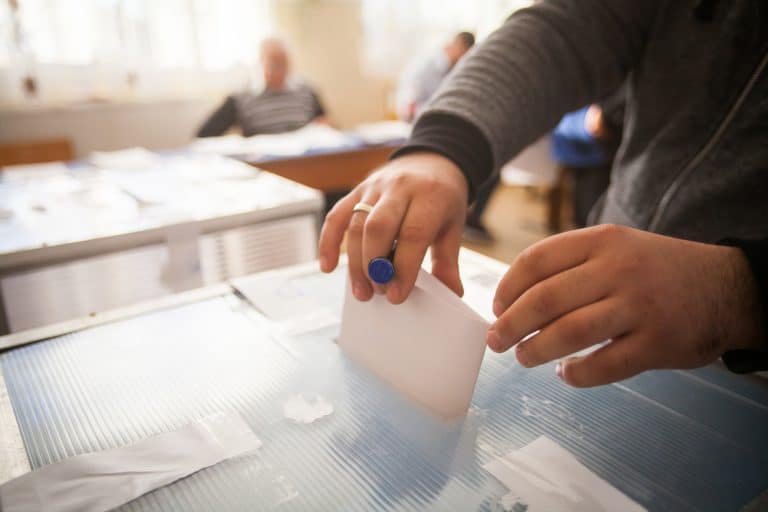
{"x":281,"y":103}
{"x":418,"y":83}
{"x":584,"y":144}
{"x":423,"y":75}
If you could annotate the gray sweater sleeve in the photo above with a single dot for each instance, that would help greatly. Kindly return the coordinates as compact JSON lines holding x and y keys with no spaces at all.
{"x":544,"y":61}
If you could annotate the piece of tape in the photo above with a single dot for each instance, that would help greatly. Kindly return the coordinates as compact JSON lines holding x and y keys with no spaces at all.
{"x":94,"y":482}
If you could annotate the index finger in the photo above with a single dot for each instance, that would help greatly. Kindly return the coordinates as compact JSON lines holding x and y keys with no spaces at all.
{"x":334,"y":227}
{"x":541,"y":261}
{"x":420,"y":227}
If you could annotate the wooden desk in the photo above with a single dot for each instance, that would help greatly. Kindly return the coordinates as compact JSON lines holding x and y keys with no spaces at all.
{"x":36,"y":151}
{"x":330,"y":171}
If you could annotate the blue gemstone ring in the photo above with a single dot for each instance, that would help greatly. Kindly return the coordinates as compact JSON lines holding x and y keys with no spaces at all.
{"x":381,"y":270}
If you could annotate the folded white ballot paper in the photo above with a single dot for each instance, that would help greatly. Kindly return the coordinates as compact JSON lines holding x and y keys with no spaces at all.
{"x":94,"y":482}
{"x":429,"y":348}
{"x":542,"y":475}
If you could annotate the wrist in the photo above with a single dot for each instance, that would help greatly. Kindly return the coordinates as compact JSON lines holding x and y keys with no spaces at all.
{"x":739,"y":314}
{"x":455,"y":139}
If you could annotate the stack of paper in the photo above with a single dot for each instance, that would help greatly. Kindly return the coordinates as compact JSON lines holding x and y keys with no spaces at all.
{"x":312,"y":137}
{"x":429,"y":348}
{"x":383,"y":132}
{"x":131,"y":158}
{"x":544,"y":476}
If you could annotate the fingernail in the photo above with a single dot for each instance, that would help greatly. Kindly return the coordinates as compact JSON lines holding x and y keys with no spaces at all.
{"x":522,"y":357}
{"x":357,"y":291}
{"x":559,"y":371}
{"x":498,"y":309}
{"x":493,"y":340}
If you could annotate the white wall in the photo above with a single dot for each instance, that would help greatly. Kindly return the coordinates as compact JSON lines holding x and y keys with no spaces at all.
{"x":326,"y":38}
{"x":107,"y":126}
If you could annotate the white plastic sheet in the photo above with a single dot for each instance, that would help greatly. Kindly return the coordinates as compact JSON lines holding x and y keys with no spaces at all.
{"x":99,"y":481}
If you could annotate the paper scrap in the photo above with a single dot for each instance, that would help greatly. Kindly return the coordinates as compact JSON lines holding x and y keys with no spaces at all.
{"x":511,"y":503}
{"x":429,"y":348}
{"x":99,"y":481}
{"x":306,"y":408}
{"x":544,"y":476}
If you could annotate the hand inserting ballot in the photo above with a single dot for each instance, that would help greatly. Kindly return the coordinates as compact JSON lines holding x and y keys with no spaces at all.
{"x":420,"y":201}
{"x":662,"y":302}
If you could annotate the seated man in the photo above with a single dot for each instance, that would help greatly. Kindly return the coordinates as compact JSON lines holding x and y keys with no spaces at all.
{"x":584,"y":144}
{"x":281,"y":104}
{"x":422,"y":77}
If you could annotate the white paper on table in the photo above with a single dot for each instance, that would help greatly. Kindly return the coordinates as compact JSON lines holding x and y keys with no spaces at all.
{"x":382,"y":132}
{"x":99,"y":481}
{"x":231,"y":144}
{"x":545,"y":476}
{"x":34,"y":172}
{"x":131,"y":158}
{"x":292,"y":307}
{"x":429,"y":348}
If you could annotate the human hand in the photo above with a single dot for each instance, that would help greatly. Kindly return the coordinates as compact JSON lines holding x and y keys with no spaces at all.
{"x":420,"y":200}
{"x":663,"y":303}
{"x":593,"y":122}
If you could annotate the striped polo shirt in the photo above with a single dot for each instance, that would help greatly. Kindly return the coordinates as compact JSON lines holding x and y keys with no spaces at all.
{"x":266,"y":111}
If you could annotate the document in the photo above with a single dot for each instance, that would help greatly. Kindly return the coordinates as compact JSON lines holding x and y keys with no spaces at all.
{"x":95,"y":482}
{"x":383,"y":132}
{"x":429,"y":348}
{"x":131,"y":158}
{"x":34,"y":172}
{"x":224,"y":145}
{"x":542,"y":475}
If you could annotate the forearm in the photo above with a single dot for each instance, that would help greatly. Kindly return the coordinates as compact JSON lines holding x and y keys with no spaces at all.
{"x":543,"y":62}
{"x":220,"y":121}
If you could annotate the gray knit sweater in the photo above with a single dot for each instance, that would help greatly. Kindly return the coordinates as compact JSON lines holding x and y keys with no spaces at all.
{"x":693,"y":162}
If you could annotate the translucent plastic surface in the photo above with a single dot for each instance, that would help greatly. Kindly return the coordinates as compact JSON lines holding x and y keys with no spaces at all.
{"x":669,"y":440}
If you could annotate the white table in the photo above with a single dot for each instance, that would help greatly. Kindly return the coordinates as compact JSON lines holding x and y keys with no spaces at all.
{"x":76,"y":240}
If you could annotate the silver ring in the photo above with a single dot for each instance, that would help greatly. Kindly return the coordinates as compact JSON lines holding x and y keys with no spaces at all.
{"x":362,"y":207}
